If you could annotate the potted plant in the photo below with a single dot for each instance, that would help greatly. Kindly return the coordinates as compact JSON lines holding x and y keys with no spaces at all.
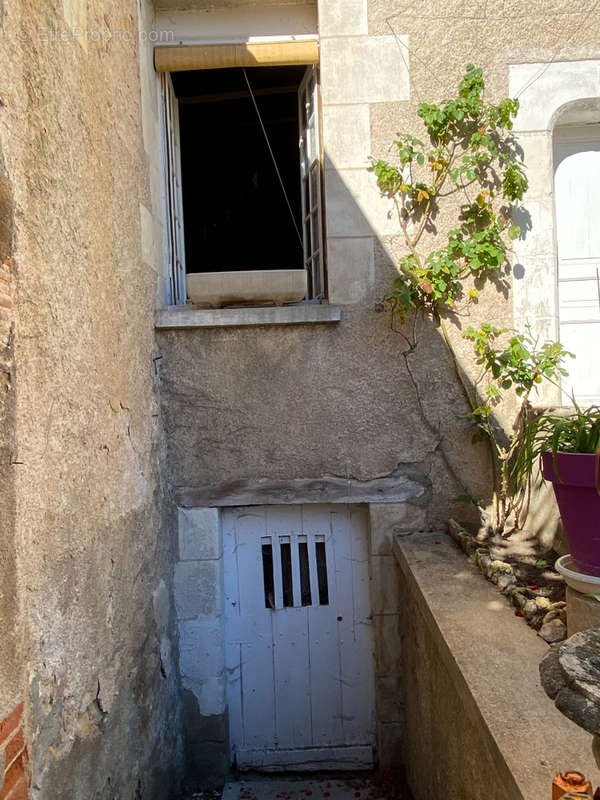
{"x":569,"y":449}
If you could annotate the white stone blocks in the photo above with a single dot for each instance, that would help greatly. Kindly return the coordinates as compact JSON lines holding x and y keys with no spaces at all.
{"x":543,"y":89}
{"x":364,"y":69}
{"x":199,"y":534}
{"x":343,"y":18}
{"x":201,"y":650}
{"x":347,"y":136}
{"x":351,"y":269}
{"x":151,"y":237}
{"x":198,"y":588}
{"x":354,"y":206}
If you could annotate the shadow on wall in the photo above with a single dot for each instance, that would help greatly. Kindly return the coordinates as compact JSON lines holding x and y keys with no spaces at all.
{"x":246,"y":407}
{"x":421,"y":342}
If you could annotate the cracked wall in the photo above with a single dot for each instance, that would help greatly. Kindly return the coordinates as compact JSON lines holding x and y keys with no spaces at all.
{"x":268,"y":407}
{"x":82,"y":424}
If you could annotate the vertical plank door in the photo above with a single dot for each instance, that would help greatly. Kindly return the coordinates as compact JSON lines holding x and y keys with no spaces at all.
{"x":299,"y":645}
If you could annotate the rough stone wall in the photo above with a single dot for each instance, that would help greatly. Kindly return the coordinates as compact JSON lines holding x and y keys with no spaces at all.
{"x":12,"y":744}
{"x":92,"y":535}
{"x":440,"y":763}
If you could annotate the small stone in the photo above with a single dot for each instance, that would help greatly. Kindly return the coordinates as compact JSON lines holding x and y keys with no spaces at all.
{"x":555,"y":613}
{"x":530,"y":608}
{"x":542,"y":602}
{"x":501,"y":566}
{"x":504,"y":581}
{"x":553,"y":631}
{"x":579,"y":710}
{"x":483,"y":561}
{"x":551,"y":674}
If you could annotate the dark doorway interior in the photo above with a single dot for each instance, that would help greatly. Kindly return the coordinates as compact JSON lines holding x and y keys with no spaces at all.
{"x":235,"y":213}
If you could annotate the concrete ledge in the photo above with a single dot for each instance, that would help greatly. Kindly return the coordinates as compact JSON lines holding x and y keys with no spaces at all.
{"x":473,"y":692}
{"x":182,"y":317}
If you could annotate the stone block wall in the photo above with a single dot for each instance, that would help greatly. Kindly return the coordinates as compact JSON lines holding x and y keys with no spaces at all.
{"x":198,"y":591}
{"x":357,"y":70}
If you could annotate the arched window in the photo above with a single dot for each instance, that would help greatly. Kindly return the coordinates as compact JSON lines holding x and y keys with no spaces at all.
{"x":577,"y":218}
{"x":556,"y":286}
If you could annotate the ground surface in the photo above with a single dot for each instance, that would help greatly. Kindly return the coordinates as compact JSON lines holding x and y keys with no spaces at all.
{"x":319,"y":787}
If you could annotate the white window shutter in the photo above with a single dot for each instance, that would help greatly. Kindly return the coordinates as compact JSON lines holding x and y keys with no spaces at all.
{"x":577,"y":196}
{"x":175,"y":235}
{"x":311,"y":183}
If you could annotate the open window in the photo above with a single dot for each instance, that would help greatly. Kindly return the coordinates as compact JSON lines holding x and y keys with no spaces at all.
{"x":244,"y":175}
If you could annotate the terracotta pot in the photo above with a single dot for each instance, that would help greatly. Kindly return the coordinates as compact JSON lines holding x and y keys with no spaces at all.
{"x":570,"y":783}
{"x":575,"y":485}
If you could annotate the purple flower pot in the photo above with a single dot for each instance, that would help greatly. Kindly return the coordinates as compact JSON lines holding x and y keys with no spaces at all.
{"x":575,"y":488}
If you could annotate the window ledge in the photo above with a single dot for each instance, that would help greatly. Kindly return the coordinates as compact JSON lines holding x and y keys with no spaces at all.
{"x":175,"y":318}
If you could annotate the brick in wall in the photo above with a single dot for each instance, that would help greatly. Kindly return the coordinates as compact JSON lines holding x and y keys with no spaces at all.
{"x":13,"y":755}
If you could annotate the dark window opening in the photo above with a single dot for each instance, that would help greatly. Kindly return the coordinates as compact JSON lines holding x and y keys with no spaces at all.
{"x":235,"y":213}
{"x":286,"y":574}
{"x":269,"y":583}
{"x":305,"y":593}
{"x":322,"y":573}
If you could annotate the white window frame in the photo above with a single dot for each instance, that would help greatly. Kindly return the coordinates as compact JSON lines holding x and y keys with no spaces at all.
{"x":311,"y":179}
{"x":544,"y":91}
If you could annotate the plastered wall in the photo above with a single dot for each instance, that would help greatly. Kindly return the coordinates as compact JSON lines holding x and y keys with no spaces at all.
{"x":90,"y":585}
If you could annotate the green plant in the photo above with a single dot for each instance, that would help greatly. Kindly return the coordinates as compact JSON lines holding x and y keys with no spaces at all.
{"x":509,"y":362}
{"x":578,"y":432}
{"x":470,"y":155}
{"x":471,"y":164}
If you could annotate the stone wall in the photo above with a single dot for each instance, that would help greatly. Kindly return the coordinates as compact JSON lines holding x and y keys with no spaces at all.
{"x":199,"y":603}
{"x":473,"y":705}
{"x":11,"y":673}
{"x":84,"y":468}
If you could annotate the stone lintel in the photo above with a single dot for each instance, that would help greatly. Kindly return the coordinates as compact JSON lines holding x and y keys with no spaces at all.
{"x":394,"y":488}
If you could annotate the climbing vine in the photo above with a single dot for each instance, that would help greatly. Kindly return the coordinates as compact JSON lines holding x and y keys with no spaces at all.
{"x":470,"y":163}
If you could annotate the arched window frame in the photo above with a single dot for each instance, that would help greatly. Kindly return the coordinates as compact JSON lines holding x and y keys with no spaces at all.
{"x":544,"y":91}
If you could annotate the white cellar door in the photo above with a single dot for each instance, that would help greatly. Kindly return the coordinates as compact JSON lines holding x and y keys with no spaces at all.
{"x":299,"y":649}
{"x":577,"y":192}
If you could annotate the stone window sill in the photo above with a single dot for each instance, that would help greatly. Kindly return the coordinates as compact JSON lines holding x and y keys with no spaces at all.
{"x":181,"y":317}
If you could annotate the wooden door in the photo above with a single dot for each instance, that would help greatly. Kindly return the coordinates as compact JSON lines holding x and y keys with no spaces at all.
{"x":299,"y":650}
{"x":577,"y":193}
